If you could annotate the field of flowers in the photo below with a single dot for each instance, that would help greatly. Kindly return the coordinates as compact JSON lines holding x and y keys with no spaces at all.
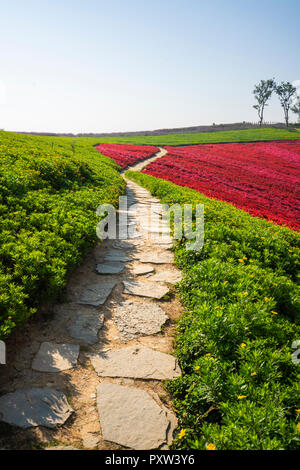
{"x":49,"y":191}
{"x":125,"y":155}
{"x":261,"y":178}
{"x":240,"y":388}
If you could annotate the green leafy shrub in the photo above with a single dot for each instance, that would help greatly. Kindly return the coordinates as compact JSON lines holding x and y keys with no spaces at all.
{"x":239,"y":388}
{"x":49,"y":191}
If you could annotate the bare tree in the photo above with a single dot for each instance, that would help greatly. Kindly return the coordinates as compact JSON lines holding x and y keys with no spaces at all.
{"x":296,"y":107}
{"x":286,"y":91}
{"x":262,"y":93}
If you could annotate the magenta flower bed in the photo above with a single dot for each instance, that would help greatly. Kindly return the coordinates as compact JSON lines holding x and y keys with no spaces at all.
{"x":261,"y":178}
{"x":126,"y":155}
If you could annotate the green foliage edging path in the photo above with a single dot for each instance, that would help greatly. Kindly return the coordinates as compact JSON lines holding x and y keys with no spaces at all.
{"x":49,"y":191}
{"x":240,"y":388}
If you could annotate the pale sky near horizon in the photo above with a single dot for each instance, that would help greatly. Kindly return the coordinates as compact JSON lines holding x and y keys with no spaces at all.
{"x":125,"y":65}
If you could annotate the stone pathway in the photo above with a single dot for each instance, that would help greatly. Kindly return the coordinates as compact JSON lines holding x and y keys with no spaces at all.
{"x":104,"y":348}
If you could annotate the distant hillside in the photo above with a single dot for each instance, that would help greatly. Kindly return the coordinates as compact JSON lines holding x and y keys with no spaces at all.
{"x":180,"y":130}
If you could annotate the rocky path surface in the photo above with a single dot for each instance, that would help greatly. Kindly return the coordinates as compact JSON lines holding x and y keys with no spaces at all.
{"x":88,"y":373}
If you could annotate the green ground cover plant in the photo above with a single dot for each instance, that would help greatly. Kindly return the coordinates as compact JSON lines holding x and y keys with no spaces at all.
{"x":240,"y":388}
{"x":244,"y":135}
{"x":50,"y":188}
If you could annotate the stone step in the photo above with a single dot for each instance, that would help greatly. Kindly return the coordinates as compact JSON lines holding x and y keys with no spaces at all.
{"x":96,"y":294}
{"x":86,"y":326}
{"x":145,"y":289}
{"x":136,"y":362}
{"x":142,"y":269}
{"x":167,"y":276}
{"x":135,"y":319}
{"x":110,"y":268}
{"x":131,"y":417}
{"x":116,"y":255}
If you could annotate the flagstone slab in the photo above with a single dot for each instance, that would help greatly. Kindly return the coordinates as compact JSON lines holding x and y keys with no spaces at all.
{"x":110,"y":268}
{"x":33,"y":407}
{"x":142,"y":269}
{"x":131,"y":417}
{"x":145,"y":289}
{"x":136,"y":319}
{"x":96,"y":294}
{"x":86,"y":326}
{"x":56,"y":357}
{"x":116,"y":255}
{"x":156,"y":258}
{"x":167,"y":276}
{"x":136,"y":362}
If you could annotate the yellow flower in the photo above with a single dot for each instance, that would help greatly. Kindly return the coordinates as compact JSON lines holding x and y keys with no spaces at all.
{"x":208,"y":354}
{"x":274,"y":313}
{"x":243,"y":345}
{"x":241,"y":261}
{"x":298,"y":427}
{"x":298,"y":411}
{"x":197,"y":367}
{"x":240,"y":397}
{"x":182,"y":433}
{"x":210,"y":447}
{"x":225,"y":282}
{"x":251,"y":275}
{"x":254,"y":373}
{"x":267,"y":299}
{"x":245,"y":293}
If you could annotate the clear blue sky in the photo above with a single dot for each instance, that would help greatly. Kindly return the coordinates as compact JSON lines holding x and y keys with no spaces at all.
{"x":95,"y":65}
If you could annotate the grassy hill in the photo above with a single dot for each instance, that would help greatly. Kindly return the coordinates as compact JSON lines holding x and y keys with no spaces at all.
{"x":244,"y":135}
{"x":49,"y":191}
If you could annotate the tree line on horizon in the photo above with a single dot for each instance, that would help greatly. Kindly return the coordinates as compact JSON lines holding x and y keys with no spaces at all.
{"x":286,"y":93}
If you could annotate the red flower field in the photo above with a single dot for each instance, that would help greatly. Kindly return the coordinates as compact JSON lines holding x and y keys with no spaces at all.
{"x":261,"y":178}
{"x":126,"y":155}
